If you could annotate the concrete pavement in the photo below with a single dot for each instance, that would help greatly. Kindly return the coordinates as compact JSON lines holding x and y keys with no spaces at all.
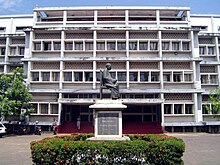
{"x":201,"y":148}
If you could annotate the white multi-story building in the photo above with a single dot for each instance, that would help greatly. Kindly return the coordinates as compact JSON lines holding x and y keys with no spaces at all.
{"x":165,"y":59}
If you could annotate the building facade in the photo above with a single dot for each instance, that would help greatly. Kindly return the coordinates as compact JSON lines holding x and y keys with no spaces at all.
{"x":165,"y":59}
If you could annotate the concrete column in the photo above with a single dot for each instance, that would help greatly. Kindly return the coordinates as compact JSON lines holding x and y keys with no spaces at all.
{"x":160,"y":43}
{"x":198,"y":107}
{"x":62,"y":43}
{"x":95,"y":18}
{"x":127,"y":43}
{"x":161,"y":75}
{"x":194,"y":44}
{"x":35,"y":18}
{"x":126,"y":18}
{"x":196,"y":75}
{"x":28,"y":72}
{"x":217,"y":55}
{"x":59,"y":113}
{"x":62,"y":56}
{"x":94,"y":42}
{"x":158,"y":18}
{"x":64,"y":17}
{"x":61,"y":75}
{"x":127,"y":72}
{"x":7,"y":51}
{"x":94,"y":74}
{"x":213,"y":25}
{"x":162,"y":111}
{"x":188,"y":18}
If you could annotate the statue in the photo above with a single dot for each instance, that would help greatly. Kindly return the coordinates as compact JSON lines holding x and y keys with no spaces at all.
{"x":110,"y":83}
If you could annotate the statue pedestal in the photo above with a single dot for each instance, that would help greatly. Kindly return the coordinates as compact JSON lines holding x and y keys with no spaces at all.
{"x":108,"y":120}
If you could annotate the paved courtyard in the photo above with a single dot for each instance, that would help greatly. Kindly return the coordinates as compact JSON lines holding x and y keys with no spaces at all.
{"x":201,"y":149}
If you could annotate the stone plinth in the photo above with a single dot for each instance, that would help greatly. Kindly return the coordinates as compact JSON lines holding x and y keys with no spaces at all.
{"x":108,"y":119}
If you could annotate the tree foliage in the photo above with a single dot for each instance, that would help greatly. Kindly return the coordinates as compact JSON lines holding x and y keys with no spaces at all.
{"x":14,"y":94}
{"x":214,"y":100}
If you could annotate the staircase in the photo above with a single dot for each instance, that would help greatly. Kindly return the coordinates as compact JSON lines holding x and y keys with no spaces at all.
{"x":70,"y":127}
{"x":142,"y":128}
{"x":128,"y":128}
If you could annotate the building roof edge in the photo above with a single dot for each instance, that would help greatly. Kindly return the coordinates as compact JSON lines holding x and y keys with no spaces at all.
{"x":204,"y":15}
{"x":112,"y":7}
{"x":17,"y":16}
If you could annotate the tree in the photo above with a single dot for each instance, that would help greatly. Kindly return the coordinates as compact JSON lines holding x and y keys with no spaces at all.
{"x":214,"y":100}
{"x":14,"y":94}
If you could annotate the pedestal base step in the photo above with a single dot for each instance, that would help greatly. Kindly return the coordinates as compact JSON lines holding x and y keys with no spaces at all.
{"x":123,"y":138}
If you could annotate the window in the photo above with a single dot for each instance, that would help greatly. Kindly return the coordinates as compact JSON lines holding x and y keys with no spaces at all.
{"x":188,"y":109}
{"x":56,"y":76}
{"x":100,"y":46}
{"x":78,"y":45}
{"x":204,"y":79}
{"x":133,"y":76}
{"x":35,"y":108}
{"x":35,"y":76}
{"x":2,"y":51}
{"x":113,"y":74}
{"x":188,"y":77}
{"x":110,"y":45}
{"x":211,"y":50}
{"x":203,"y":28}
{"x":68,"y":46}
{"x":153,"y":45}
{"x":121,"y":46}
{"x":167,"y":77}
{"x":54,"y":109}
{"x":13,"y":51}
{"x":202,"y":50}
{"x":167,"y":109}
{"x":44,"y":109}
{"x":213,"y":79}
{"x":121,"y":76}
{"x":132,"y":45}
{"x":175,"y":46}
{"x":89,"y":46}
{"x":47,"y":46}
{"x":37,"y":46}
{"x":204,"y":109}
{"x":57,"y":45}
{"x":97,"y":76}
{"x":144,"y":76}
{"x":177,"y":77}
{"x":154,"y":76}
{"x":185,"y":45}
{"x":67,"y":76}
{"x":78,"y":76}
{"x":45,"y":76}
{"x":177,"y":109}
{"x":88,"y":76}
{"x":2,"y":29}
{"x":165,"y":45}
{"x":21,"y":28}
{"x":143,"y":46}
{"x":21,"y":50}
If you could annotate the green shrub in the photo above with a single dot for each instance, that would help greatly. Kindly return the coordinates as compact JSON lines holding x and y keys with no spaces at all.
{"x":141,"y":149}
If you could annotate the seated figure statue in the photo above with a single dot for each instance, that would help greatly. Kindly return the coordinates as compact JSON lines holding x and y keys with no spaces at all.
{"x":110,"y":83}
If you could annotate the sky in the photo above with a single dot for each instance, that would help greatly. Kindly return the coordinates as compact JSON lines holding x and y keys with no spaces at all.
{"x":11,"y":7}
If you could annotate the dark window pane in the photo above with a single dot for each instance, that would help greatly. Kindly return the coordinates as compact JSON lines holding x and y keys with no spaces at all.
{"x":78,"y":76}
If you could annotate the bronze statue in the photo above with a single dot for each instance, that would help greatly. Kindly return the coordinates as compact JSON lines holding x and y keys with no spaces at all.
{"x":110,"y":82}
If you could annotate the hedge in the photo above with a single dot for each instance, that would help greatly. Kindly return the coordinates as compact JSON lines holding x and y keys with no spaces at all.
{"x":141,"y":149}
